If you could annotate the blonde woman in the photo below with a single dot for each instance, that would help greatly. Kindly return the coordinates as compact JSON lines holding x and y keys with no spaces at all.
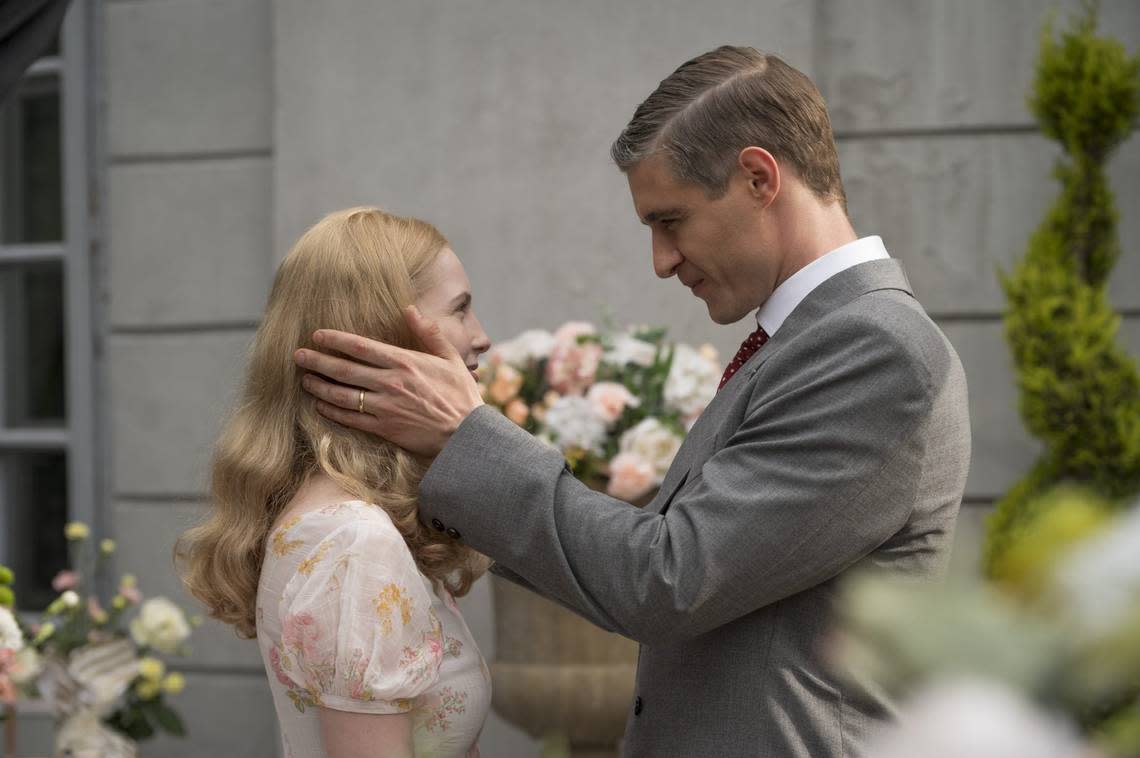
{"x":314,"y":545}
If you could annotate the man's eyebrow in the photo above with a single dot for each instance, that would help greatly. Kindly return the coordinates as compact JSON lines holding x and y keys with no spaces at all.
{"x":658,"y":215}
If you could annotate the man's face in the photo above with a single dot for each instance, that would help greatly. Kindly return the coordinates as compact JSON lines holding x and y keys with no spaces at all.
{"x":720,"y":249}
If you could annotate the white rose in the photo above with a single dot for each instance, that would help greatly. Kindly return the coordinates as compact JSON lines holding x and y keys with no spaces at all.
{"x":654,"y":443}
{"x":70,"y":599}
{"x":692,"y":382}
{"x":572,"y":422}
{"x":1100,"y":578}
{"x":11,"y":638}
{"x":629,"y":349}
{"x":533,"y":344}
{"x":161,"y":625}
{"x":975,"y":718}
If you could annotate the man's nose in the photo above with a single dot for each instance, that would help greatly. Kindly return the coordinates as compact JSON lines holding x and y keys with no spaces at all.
{"x":665,"y":255}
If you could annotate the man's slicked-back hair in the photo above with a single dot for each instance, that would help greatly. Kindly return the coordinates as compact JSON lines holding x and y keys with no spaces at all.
{"x":703,"y":114}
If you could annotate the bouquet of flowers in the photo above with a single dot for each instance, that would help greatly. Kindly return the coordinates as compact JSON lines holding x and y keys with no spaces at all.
{"x":1044,"y":662}
{"x":95,"y":663}
{"x":616,"y":403}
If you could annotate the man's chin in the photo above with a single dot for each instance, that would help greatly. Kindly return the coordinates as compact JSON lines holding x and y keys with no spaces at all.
{"x":724,"y":316}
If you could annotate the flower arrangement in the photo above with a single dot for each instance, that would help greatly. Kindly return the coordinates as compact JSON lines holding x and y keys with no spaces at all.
{"x":1043,"y":661}
{"x":617,"y":404}
{"x":95,"y":663}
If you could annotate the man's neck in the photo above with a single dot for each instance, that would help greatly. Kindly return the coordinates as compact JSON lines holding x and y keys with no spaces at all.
{"x":811,"y":230}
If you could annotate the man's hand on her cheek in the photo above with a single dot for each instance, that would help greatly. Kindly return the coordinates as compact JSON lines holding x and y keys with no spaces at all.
{"x":416,"y":400}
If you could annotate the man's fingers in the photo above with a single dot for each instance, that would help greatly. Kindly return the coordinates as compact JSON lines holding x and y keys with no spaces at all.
{"x":362,"y":421}
{"x":363,"y":349}
{"x":430,"y":334}
{"x":336,"y":394}
{"x":344,"y":371}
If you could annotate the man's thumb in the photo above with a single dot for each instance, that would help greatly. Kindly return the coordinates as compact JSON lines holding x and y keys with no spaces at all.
{"x":429,"y":333}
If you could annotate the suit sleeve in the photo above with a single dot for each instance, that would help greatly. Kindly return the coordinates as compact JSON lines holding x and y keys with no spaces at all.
{"x":821,"y":470}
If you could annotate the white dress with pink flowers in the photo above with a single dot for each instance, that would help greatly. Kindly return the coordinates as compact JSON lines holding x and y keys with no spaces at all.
{"x":346,"y":621}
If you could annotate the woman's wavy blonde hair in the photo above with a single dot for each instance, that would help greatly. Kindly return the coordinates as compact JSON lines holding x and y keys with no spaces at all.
{"x":355,"y":270}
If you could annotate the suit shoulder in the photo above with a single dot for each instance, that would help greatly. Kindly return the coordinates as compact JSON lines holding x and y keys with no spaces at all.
{"x":887,"y":327}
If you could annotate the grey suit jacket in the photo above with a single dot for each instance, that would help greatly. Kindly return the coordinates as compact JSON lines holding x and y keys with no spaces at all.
{"x":843,"y":442}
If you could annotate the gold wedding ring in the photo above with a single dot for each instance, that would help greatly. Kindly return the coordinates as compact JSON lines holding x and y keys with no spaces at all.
{"x":360,"y":403}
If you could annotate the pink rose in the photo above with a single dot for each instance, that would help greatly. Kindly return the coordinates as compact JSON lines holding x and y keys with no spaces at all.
{"x":517,"y":411}
{"x":572,"y":367}
{"x":572,"y":330}
{"x":301,"y":632}
{"x":132,"y":594}
{"x":630,"y":477}
{"x":609,"y":399}
{"x":65,"y":580}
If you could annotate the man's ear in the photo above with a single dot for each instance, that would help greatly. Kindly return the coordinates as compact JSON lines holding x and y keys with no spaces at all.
{"x":762,"y":173}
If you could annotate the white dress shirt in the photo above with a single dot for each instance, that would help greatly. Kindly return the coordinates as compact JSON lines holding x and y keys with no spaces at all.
{"x":800,"y":284}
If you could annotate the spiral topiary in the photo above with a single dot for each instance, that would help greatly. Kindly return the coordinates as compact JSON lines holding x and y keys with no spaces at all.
{"x":1079,"y":390}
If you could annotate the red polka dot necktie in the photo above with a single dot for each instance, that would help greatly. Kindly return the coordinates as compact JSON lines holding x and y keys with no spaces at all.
{"x":754,"y":342}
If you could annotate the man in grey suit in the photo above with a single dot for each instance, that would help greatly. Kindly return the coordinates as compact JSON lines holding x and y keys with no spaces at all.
{"x":839,"y":439}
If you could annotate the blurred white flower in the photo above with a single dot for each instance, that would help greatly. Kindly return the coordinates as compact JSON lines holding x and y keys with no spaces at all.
{"x":161,"y":625}
{"x":533,"y":344}
{"x":975,"y":718}
{"x":1100,"y":578}
{"x":654,"y":443}
{"x":629,"y":349}
{"x":11,"y":638}
{"x":692,"y":381}
{"x":572,"y":422}
{"x":70,"y":599}
{"x":25,"y":666}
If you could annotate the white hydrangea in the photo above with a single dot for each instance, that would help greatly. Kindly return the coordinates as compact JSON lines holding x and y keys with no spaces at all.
{"x":533,"y":344}
{"x":572,"y":422}
{"x":692,"y":381}
{"x":161,"y":625}
{"x":1101,"y":577}
{"x":10,"y":636}
{"x":654,"y":443}
{"x":975,"y":718}
{"x":628,"y":349}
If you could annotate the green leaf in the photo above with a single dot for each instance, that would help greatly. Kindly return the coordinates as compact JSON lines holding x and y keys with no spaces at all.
{"x":166,"y":718}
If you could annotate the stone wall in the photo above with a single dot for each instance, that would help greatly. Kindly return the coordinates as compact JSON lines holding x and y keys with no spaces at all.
{"x":230,"y":125}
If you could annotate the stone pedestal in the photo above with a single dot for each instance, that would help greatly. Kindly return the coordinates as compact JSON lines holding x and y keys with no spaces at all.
{"x":555,"y":673}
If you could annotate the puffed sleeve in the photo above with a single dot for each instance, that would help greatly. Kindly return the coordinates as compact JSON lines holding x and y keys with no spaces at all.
{"x":357,"y":628}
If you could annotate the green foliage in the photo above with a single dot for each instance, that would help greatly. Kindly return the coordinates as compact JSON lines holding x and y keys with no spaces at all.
{"x":1080,"y":392}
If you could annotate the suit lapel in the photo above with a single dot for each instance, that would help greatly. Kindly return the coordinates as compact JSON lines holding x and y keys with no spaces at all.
{"x":834,"y":293}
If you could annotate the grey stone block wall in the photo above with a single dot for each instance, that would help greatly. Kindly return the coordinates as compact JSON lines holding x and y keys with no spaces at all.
{"x":187,"y":125}
{"x":230,"y":125}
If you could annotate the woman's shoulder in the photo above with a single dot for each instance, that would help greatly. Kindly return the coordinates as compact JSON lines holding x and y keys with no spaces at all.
{"x":348,"y":522}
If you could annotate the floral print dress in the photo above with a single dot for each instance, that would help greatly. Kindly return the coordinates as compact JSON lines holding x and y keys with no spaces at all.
{"x":346,"y":621}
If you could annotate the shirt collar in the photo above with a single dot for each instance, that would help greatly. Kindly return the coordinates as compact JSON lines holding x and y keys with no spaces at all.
{"x":799,"y":285}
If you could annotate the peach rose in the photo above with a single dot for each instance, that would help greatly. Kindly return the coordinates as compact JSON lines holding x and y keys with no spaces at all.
{"x":506,"y":384}
{"x":630,"y":477}
{"x":610,"y":399}
{"x":517,"y":411}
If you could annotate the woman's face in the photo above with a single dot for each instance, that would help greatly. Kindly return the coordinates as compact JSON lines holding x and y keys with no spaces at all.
{"x":448,"y":301}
